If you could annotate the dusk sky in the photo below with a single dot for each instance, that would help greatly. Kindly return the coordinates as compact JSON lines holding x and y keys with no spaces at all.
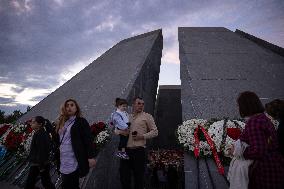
{"x":46,"y":42}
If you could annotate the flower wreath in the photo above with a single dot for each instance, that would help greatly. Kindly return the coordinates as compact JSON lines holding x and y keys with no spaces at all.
{"x":206,"y":138}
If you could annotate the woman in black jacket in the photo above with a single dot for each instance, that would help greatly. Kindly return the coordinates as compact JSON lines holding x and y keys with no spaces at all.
{"x":75,"y":143}
{"x":39,"y":154}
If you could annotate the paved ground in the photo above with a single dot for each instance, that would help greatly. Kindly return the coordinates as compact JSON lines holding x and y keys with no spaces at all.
{"x":5,"y":185}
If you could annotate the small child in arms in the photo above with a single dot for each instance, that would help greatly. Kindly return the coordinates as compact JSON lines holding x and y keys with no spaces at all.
{"x":120,"y":120}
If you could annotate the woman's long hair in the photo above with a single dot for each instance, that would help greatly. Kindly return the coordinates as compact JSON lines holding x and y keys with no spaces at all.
{"x":249,"y":104}
{"x":63,"y":116}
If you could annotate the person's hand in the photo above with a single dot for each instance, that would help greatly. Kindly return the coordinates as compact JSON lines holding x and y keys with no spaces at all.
{"x":41,"y":170}
{"x":92,"y":163}
{"x":121,"y":132}
{"x":231,"y":150}
{"x":138,"y":137}
{"x":124,"y":132}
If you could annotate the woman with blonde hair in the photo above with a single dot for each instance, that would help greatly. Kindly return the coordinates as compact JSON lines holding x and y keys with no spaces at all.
{"x":75,"y":143}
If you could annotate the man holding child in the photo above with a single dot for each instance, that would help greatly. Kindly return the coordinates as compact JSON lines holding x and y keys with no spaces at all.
{"x":142,"y":128}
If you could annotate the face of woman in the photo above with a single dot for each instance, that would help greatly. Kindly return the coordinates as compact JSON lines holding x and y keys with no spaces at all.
{"x":122,"y":107}
{"x":71,"y":108}
{"x":35,"y":125}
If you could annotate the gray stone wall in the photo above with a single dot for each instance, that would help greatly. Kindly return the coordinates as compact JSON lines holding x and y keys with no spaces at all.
{"x":216,"y":65}
{"x":168,"y":116}
{"x":262,"y":43}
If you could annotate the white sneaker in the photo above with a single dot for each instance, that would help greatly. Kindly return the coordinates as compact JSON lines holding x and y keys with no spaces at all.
{"x":124,"y":155}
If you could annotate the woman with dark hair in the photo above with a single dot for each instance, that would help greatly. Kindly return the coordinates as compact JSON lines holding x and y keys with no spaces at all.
{"x":75,"y":143}
{"x":266,"y":172}
{"x":39,"y":154}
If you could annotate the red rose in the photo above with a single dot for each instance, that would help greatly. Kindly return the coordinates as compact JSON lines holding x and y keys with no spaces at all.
{"x":96,"y":128}
{"x":234,"y":133}
{"x":3,"y":129}
{"x":13,"y":140}
{"x":101,"y":125}
{"x":29,"y":129}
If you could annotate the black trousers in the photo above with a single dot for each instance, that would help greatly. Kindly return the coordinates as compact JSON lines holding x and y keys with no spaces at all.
{"x":136,"y":166}
{"x":44,"y":176}
{"x":122,"y":142}
{"x":70,"y":181}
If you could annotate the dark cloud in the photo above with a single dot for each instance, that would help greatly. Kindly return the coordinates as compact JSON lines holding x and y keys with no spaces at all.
{"x":41,"y":40}
{"x":38,"y":98}
{"x":17,"y":89}
{"x":6,"y":100}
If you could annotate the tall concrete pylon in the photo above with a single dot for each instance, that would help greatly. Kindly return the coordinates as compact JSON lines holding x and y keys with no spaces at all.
{"x":130,"y":68}
{"x":216,"y":65}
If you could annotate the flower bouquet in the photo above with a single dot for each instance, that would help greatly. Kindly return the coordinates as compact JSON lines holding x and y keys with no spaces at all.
{"x":14,"y":140}
{"x":185,"y":134}
{"x":164,"y":158}
{"x":165,"y":167}
{"x":101,"y":135}
{"x":96,"y":128}
{"x":210,"y":138}
{"x":224,"y":133}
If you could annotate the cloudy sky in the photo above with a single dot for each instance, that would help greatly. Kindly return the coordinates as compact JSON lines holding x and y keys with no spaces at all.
{"x":43,"y":43}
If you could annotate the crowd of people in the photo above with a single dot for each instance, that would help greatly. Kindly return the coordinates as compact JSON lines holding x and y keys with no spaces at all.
{"x":258,"y":154}
{"x":72,"y":143}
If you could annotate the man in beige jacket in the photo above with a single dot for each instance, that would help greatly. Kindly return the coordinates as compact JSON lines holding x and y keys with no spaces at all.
{"x":142,"y":128}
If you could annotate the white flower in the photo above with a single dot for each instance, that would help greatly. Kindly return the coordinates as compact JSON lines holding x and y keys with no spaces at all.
{"x":216,"y":132}
{"x":102,"y":137}
{"x":205,"y":148}
{"x":185,"y":134}
{"x":27,"y":142}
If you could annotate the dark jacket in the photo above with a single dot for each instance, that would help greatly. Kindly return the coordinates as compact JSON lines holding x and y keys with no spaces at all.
{"x":280,"y":133}
{"x":82,"y":144}
{"x":40,"y":148}
{"x":267,"y":168}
